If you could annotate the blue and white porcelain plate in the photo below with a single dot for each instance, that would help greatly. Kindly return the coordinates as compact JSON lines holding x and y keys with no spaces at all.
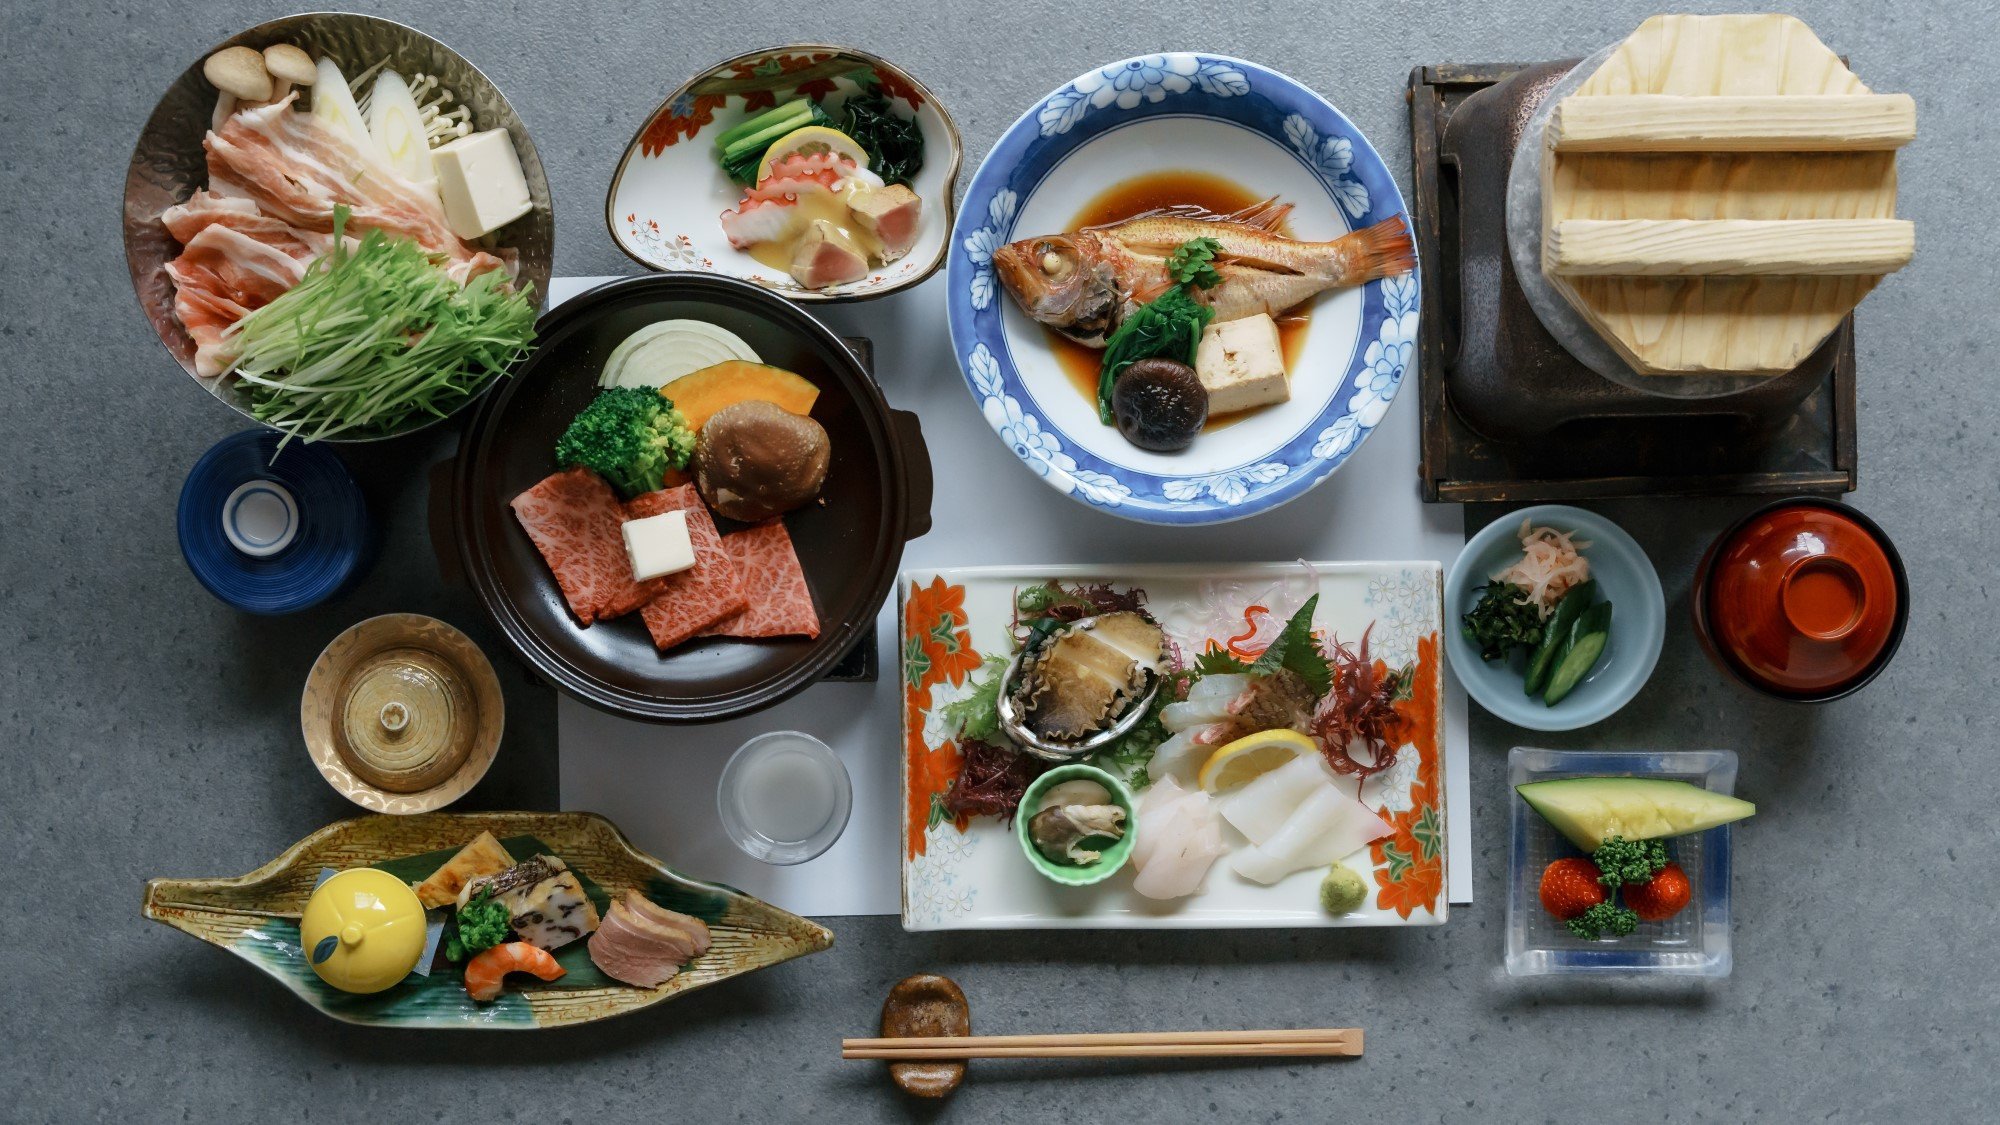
{"x":1181,"y":112}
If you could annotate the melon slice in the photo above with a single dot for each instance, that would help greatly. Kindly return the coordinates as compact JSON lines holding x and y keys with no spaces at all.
{"x":1590,"y":810}
{"x":700,"y":394}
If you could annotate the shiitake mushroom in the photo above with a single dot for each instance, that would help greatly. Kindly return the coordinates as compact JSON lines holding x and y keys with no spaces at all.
{"x":1159,"y":404}
{"x":754,"y":460}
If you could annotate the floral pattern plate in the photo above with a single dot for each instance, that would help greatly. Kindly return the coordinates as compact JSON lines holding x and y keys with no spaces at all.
{"x":1204,"y":113}
{"x":971,"y":875}
{"x":667,"y":194}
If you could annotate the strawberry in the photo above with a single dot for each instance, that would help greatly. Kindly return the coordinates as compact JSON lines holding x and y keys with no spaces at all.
{"x":1659,"y":898}
{"x":1570,"y":887}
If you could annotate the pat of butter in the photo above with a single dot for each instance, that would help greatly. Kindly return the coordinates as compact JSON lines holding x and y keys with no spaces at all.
{"x":480,"y":181}
{"x":658,"y":545}
{"x":1242,"y":365}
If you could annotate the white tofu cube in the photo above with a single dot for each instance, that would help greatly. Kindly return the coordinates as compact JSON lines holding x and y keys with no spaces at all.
{"x":658,"y":545}
{"x":480,"y":181}
{"x":1242,"y":365}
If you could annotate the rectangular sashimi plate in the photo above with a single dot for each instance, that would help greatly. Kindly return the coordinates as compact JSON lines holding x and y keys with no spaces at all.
{"x":965,"y":871}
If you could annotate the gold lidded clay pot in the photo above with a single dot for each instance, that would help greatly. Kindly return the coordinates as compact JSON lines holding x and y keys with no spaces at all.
{"x":402,"y":713}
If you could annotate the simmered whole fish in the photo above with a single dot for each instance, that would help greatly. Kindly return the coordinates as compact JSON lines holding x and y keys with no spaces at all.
{"x":1084,"y":282}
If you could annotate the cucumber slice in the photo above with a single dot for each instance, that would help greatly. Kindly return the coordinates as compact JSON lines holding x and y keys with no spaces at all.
{"x":1567,"y":610}
{"x":1580,"y":652}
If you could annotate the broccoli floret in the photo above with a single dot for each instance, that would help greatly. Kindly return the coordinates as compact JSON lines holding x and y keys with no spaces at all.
{"x":1623,"y":861}
{"x":1604,"y":918}
{"x":630,"y":436}
{"x":481,"y":923}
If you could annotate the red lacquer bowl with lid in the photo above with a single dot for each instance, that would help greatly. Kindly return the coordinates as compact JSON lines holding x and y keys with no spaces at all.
{"x":1804,"y":599}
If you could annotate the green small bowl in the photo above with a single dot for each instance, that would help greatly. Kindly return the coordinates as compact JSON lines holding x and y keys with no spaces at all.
{"x":1114,"y":857}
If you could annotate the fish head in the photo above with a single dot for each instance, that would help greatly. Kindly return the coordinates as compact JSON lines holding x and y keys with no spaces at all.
{"x":1060,"y":281}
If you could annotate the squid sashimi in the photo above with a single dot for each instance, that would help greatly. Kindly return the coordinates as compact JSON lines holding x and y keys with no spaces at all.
{"x":1261,"y":808}
{"x":1179,"y":839}
{"x":1326,"y":826}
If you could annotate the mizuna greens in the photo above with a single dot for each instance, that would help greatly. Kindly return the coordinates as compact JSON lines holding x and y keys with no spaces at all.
{"x":375,"y":334}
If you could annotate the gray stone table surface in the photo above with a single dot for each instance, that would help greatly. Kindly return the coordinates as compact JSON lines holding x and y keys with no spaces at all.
{"x":150,"y":731}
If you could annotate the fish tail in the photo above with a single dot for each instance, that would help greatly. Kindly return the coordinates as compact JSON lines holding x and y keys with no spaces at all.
{"x":1383,"y":250}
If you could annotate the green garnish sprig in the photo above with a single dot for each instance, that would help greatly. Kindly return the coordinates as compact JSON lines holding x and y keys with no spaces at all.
{"x":1604,"y":918}
{"x":482,"y":923}
{"x":1621,"y":861}
{"x":1193,"y":263}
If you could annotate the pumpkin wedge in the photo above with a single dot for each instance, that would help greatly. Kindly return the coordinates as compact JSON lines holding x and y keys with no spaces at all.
{"x":699,"y":394}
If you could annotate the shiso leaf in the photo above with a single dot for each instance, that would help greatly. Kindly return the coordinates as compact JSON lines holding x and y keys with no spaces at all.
{"x":1295,"y":650}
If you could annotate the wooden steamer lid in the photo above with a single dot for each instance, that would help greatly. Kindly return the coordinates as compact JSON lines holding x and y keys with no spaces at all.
{"x":1720,"y":193}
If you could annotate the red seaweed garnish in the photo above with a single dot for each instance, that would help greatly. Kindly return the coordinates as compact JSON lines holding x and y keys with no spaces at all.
{"x":1039,"y":609}
{"x":1359,"y":713}
{"x":991,"y":780}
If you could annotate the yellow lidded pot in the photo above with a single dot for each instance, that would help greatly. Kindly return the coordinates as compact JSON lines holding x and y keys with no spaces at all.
{"x":363,"y":930}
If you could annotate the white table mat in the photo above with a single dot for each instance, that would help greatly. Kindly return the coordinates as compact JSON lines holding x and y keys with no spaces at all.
{"x":658,"y":782}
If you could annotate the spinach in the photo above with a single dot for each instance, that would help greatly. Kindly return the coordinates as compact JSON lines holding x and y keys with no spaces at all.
{"x":1170,"y":325}
{"x":1502,"y":620}
{"x":895,"y":143}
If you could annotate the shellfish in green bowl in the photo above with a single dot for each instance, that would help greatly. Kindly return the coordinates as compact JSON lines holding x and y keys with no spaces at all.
{"x":256,"y":917}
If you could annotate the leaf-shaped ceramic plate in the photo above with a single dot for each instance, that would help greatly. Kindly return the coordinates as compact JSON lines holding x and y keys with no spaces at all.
{"x":256,"y":917}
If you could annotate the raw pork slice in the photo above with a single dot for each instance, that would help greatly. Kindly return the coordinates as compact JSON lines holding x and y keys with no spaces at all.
{"x":700,"y":596}
{"x":780,"y":603}
{"x":574,"y":519}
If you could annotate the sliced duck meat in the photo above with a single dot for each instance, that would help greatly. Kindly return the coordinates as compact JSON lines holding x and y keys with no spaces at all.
{"x":692,"y":600}
{"x":695,"y":928}
{"x":574,"y":519}
{"x":781,"y":604}
{"x":892,"y":214}
{"x":634,"y":948}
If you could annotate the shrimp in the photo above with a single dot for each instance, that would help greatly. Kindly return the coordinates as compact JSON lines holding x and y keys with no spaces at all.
{"x":485,"y":973}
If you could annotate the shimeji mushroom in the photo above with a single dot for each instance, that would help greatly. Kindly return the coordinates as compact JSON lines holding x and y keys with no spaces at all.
{"x":287,"y":62}
{"x":239,"y":71}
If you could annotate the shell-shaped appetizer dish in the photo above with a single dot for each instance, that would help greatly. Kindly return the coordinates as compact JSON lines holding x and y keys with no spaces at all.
{"x":667,"y":198}
{"x":256,"y":917}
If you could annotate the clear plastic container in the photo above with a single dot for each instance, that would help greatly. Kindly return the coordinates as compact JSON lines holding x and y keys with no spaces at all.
{"x":1693,"y":943}
{"x":784,"y":797}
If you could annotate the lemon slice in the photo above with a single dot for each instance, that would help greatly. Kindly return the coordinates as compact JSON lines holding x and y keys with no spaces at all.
{"x":1250,"y":757}
{"x":812,"y":139}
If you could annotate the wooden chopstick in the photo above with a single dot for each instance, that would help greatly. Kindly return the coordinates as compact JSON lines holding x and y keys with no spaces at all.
{"x":1297,"y":1043}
